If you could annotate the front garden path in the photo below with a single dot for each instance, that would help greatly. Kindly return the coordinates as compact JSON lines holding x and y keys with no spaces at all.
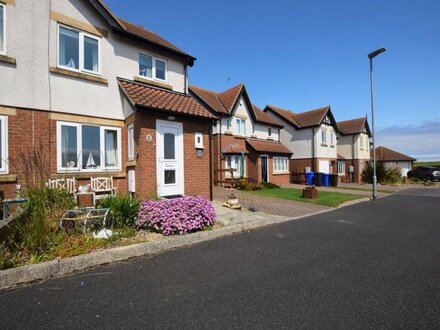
{"x":269,"y":205}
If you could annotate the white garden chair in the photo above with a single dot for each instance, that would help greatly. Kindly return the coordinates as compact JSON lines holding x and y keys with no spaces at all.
{"x":102,"y":187}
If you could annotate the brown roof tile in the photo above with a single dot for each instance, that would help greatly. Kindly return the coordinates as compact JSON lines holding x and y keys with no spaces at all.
{"x":209,"y":97}
{"x":263,"y":117}
{"x":234,"y":148}
{"x":159,"y":99}
{"x":268,"y":146}
{"x":285,"y":114}
{"x":352,"y":126}
{"x":312,"y":117}
{"x":385,"y":154}
{"x":229,"y":97}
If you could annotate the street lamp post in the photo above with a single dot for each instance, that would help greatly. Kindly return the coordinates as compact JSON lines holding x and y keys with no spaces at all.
{"x":371,"y":56}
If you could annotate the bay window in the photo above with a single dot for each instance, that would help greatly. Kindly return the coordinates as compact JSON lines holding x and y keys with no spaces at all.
{"x":78,"y":51}
{"x":2,"y":29}
{"x":241,"y":126}
{"x":3,"y":144}
{"x":83,"y":147}
{"x":236,"y":162}
{"x":152,"y":67}
{"x":280,"y":164}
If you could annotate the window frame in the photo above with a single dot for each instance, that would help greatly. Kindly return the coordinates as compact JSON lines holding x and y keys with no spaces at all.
{"x":232,"y":160}
{"x":269,"y":131}
{"x":283,"y":165}
{"x":78,"y":168}
{"x":3,"y":52}
{"x":341,"y":165}
{"x":81,"y":35}
{"x":4,"y":168}
{"x":198,"y":145}
{"x":332,"y":139}
{"x":323,"y":136}
{"x":130,"y":141}
{"x":241,"y":125}
{"x":153,"y":67}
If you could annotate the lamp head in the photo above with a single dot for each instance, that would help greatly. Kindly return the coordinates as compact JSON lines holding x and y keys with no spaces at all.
{"x":375,"y":53}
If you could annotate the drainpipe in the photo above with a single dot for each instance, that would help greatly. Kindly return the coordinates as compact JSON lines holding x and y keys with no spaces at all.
{"x":313,"y":150}
{"x":220,"y":148}
{"x":352,"y":159}
{"x":186,"y":78}
{"x":210,"y":161}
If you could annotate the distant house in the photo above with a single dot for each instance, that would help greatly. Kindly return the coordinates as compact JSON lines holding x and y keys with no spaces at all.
{"x":353,"y":148}
{"x":245,"y":138}
{"x":393,"y":158}
{"x":311,"y":135}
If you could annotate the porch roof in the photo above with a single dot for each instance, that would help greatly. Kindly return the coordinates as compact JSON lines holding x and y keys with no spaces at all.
{"x":268,"y":146}
{"x":145,"y":96}
{"x":234,"y":148}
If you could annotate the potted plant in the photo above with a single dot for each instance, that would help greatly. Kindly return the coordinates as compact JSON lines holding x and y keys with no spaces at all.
{"x":310,"y":192}
{"x":232,"y":198}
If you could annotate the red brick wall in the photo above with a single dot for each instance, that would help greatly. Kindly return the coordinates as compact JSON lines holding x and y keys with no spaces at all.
{"x":196,"y":169}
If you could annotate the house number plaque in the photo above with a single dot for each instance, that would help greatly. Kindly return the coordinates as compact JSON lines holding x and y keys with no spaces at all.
{"x":149,"y":138}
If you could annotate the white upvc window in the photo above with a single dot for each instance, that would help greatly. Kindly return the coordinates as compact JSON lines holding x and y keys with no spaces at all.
{"x":228,"y":124}
{"x":152,"y":67}
{"x":3,"y":144}
{"x":198,"y":140}
{"x":130,"y":131}
{"x":2,"y":29}
{"x":366,"y":143}
{"x":269,"y":131}
{"x":332,"y":141}
{"x":241,"y":126}
{"x":280,"y":164}
{"x":78,"y":50}
{"x":323,"y":136}
{"x":341,"y":167}
{"x":84,"y":147}
{"x":236,"y":162}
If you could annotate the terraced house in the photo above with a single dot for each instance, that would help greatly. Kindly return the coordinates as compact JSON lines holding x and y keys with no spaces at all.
{"x":99,"y":96}
{"x":245,"y":139}
{"x":312,"y":136}
{"x":353,"y":148}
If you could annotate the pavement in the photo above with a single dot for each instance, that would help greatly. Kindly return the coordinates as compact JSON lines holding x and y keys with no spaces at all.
{"x":270,"y":205}
{"x":371,"y":265}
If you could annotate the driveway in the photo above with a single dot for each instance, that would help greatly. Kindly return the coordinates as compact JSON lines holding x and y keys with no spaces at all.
{"x":271,"y":205}
{"x":370,"y":265}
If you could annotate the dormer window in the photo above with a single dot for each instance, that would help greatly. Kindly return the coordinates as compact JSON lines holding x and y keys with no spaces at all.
{"x":152,"y":67}
{"x":78,"y":51}
{"x":2,"y":29}
{"x":241,"y":126}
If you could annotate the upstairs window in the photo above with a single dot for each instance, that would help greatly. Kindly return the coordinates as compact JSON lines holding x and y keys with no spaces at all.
{"x":269,"y":131}
{"x":331,"y":138}
{"x":3,"y":144}
{"x":323,"y":136}
{"x":78,"y":51}
{"x":2,"y":29}
{"x":241,"y":126}
{"x":152,"y":68}
{"x":228,"y":124}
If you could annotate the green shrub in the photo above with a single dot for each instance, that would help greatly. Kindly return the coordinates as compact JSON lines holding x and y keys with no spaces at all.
{"x":393,"y":174}
{"x":248,"y":186}
{"x":124,"y":209}
{"x":384,"y":174}
{"x":268,"y":185}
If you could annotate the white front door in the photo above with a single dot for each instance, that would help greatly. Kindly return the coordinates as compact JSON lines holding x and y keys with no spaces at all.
{"x":169,"y":154}
{"x":324,"y":166}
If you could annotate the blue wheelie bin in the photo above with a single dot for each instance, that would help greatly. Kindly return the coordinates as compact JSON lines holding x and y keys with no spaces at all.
{"x":309,"y":178}
{"x":325,"y":179}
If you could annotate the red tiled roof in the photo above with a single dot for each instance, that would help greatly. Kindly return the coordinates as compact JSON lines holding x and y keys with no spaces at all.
{"x":268,"y":146}
{"x":229,"y":97}
{"x":385,"y":154}
{"x":159,"y":99}
{"x":210,"y":98}
{"x":261,"y":116}
{"x":234,"y":148}
{"x":352,"y":126}
{"x":285,"y":114}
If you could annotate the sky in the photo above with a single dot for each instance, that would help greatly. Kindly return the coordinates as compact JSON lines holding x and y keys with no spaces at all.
{"x":305,"y":54}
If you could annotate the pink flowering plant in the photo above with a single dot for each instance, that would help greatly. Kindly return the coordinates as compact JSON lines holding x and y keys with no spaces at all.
{"x":176,"y":216}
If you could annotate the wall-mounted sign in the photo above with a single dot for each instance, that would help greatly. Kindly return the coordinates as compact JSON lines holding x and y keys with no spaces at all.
{"x":149,"y":138}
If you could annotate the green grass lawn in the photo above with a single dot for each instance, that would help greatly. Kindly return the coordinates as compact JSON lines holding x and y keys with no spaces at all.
{"x":433,"y":164}
{"x":326,"y":198}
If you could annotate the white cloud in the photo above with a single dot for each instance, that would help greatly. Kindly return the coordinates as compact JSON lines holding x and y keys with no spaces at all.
{"x":421,"y":141}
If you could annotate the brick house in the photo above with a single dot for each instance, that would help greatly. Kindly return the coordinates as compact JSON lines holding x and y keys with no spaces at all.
{"x":99,"y":96}
{"x":244,"y":138}
{"x":312,"y":136}
{"x":353,"y":148}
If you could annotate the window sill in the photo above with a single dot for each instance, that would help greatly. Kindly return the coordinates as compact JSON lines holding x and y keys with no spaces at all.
{"x":8,"y":178}
{"x":80,"y":75}
{"x":7,"y":59}
{"x":332,"y":146}
{"x":227,"y":133}
{"x":87,"y":175}
{"x":324,"y":145}
{"x":253,"y":136}
{"x":280,"y":173}
{"x":152,"y":82}
{"x":270,"y":138}
{"x":238,"y":136}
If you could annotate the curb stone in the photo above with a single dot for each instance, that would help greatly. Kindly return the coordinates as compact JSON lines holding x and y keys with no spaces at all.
{"x":62,"y":266}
